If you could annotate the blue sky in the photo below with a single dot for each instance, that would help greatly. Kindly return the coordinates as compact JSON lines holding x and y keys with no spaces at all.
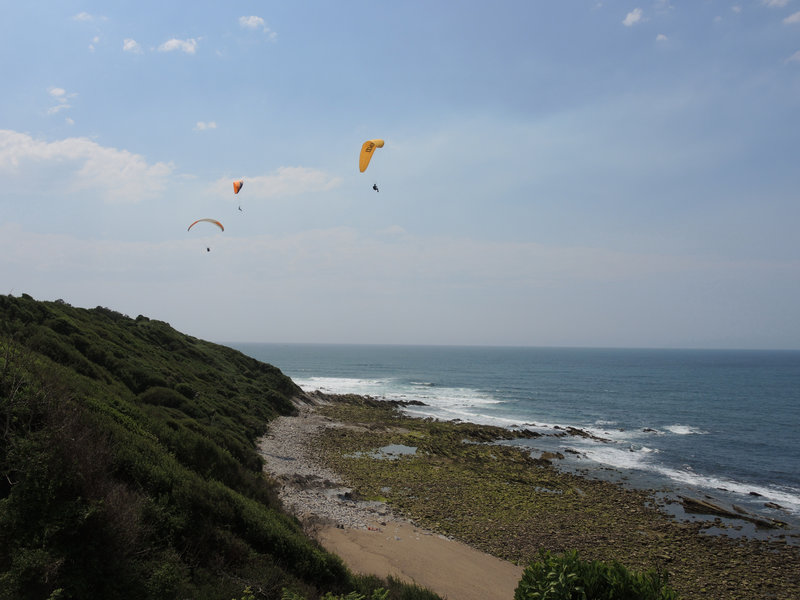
{"x":574,"y":173}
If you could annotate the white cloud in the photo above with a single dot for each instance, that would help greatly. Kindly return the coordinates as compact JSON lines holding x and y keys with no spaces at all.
{"x":254,"y":22}
{"x":62,"y":97}
{"x":775,"y":3}
{"x":661,"y":37}
{"x":95,"y":40}
{"x":187,"y":46}
{"x":131,"y":45}
{"x":793,"y":18}
{"x":632,"y":17}
{"x":251,"y":22}
{"x":736,"y":8}
{"x":794,"y":57}
{"x":54,"y":110}
{"x":285,"y":181}
{"x":88,"y":18}
{"x":79,"y":164}
{"x":393,"y":231}
{"x":203,"y":125}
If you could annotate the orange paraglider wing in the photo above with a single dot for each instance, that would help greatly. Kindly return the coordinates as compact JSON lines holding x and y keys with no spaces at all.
{"x":367,"y":152}
{"x":237,"y":185}
{"x":217,"y":223}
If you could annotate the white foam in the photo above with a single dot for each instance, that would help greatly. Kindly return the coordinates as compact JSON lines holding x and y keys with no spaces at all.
{"x":619,"y":455}
{"x":343,"y":385}
{"x":454,"y":413}
{"x":391,"y":389}
{"x":685,"y":430}
{"x":787,"y":497}
{"x":641,"y":458}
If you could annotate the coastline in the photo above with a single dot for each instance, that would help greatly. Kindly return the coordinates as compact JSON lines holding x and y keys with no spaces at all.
{"x":507,"y":509}
{"x":368,"y":536}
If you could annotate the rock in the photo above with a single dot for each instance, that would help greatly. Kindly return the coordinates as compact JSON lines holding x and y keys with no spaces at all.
{"x":551,"y":455}
{"x":707,"y":507}
{"x":314,"y":494}
{"x":584,"y":434}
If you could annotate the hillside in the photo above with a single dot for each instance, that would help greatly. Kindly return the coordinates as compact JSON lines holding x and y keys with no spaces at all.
{"x":129,"y":468}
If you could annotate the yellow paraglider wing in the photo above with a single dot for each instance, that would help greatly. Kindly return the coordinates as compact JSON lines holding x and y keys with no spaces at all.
{"x":366,"y":153}
{"x":237,"y":185}
{"x":217,"y":223}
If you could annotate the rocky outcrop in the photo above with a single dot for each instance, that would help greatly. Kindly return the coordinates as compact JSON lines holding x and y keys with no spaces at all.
{"x":705,"y":507}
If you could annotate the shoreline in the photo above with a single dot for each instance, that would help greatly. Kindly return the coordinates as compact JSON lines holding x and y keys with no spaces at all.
{"x":748,"y":511}
{"x":369,"y":537}
{"x":514,"y":507}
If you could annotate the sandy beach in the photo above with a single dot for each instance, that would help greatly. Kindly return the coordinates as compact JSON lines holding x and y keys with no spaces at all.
{"x":449,"y":568}
{"x":366,"y":535}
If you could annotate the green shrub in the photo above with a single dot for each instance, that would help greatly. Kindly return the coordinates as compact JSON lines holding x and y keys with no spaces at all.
{"x":55,"y":348}
{"x":161,"y":396}
{"x":566,"y":577}
{"x":186,"y":390}
{"x":138,"y":379}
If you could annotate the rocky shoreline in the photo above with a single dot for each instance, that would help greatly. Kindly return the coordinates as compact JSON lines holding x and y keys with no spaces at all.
{"x":498,"y":499}
{"x":316,"y":495}
{"x":367,"y":534}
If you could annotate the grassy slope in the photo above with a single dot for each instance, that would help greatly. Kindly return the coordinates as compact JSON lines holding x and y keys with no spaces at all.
{"x":129,"y":468}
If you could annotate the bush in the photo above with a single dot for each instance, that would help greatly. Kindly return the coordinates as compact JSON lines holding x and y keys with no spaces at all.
{"x":162,"y":396}
{"x":138,"y":379}
{"x":186,"y":390}
{"x":566,"y":577}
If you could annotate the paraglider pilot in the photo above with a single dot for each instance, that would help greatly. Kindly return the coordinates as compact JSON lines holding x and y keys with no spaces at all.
{"x":375,"y":187}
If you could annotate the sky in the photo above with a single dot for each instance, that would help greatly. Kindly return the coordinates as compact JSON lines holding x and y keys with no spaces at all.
{"x":582,"y":173}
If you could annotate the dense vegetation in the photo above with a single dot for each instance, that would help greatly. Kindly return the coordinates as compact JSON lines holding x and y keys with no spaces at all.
{"x":567,"y":577}
{"x":129,"y":470}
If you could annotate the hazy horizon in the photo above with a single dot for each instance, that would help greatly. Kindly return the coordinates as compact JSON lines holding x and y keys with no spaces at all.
{"x":592,"y":174}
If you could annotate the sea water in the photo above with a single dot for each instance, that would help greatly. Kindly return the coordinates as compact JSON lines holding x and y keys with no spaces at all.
{"x":718,"y":423}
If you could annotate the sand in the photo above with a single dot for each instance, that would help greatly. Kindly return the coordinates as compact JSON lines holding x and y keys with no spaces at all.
{"x":449,"y":568}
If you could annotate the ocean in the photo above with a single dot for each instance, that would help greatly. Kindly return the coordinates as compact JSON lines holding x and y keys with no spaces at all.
{"x":717,"y":424}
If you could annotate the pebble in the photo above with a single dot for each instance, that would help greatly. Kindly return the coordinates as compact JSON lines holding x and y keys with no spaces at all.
{"x":309,"y":491}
